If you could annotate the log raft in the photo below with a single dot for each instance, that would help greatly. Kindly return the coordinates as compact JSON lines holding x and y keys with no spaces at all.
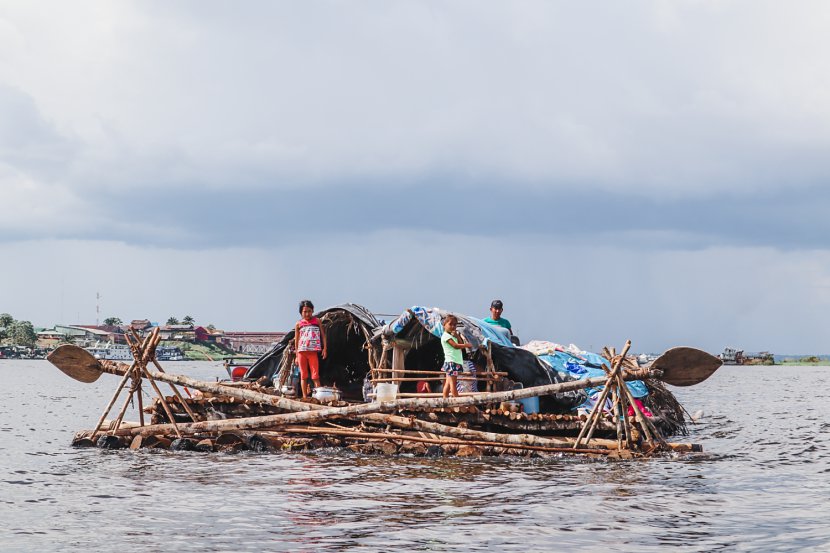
{"x":475,"y":429}
{"x":255,"y":417}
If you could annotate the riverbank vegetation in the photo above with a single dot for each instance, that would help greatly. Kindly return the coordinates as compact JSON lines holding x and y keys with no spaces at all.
{"x":14,"y":332}
{"x":808,"y":360}
{"x":200,"y":351}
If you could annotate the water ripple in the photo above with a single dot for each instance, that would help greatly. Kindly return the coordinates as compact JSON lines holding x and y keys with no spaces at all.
{"x":761,"y":485}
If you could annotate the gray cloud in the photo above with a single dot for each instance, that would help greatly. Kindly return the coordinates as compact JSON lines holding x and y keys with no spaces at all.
{"x":670,"y":101}
{"x":186,"y":218}
{"x":684,"y":142}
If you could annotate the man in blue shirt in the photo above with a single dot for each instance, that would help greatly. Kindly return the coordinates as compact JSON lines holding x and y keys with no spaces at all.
{"x":495,"y":318}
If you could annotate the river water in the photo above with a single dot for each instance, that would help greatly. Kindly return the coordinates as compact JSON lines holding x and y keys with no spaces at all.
{"x":763,"y":483}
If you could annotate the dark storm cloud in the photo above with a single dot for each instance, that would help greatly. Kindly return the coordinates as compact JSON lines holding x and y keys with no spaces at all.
{"x":192,"y":218}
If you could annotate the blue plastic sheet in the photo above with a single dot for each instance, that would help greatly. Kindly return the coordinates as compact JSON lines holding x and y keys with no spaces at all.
{"x":581,"y":369}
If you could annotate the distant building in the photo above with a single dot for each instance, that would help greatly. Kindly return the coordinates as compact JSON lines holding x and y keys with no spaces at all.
{"x":49,"y":338}
{"x":113,"y":333}
{"x":82,"y":335}
{"x":179,"y":333}
{"x":253,"y":343}
{"x":140,"y":324}
{"x":204,"y":335}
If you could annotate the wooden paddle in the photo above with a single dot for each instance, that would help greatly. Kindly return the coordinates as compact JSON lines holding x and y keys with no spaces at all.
{"x":685,"y":366}
{"x":76,"y":363}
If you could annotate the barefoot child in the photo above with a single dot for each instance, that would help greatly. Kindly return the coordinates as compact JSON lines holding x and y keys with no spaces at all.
{"x":452,"y":344}
{"x":309,"y":339}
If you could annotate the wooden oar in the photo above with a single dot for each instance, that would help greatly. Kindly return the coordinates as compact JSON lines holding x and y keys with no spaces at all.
{"x":685,"y":366}
{"x":76,"y":363}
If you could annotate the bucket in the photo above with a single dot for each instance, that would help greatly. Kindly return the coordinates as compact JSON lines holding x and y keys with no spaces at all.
{"x":386,"y":392}
{"x":530,"y":404}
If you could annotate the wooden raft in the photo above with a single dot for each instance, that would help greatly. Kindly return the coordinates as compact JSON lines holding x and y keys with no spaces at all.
{"x":249,"y":416}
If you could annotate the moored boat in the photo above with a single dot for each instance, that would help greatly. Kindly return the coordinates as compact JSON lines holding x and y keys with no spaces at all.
{"x":111,"y":352}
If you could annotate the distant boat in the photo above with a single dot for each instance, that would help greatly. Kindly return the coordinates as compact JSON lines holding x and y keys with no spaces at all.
{"x":732,"y":356}
{"x":645,"y":358}
{"x":169,"y":353}
{"x":111,"y":352}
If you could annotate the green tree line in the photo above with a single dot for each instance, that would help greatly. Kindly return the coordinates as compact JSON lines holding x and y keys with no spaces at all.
{"x":20,"y":333}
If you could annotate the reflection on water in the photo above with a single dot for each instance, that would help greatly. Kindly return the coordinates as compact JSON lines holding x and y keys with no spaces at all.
{"x":762,"y":484}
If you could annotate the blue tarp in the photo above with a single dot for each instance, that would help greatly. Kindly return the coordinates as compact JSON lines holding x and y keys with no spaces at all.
{"x":476,"y":331}
{"x":582,"y":369}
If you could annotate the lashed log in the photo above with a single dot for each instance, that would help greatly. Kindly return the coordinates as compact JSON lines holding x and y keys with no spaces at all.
{"x":316,"y":413}
{"x":596,"y":413}
{"x":316,"y":430}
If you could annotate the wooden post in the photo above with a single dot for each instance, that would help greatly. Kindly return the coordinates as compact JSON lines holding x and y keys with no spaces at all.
{"x":370,"y":352}
{"x":649,"y":430}
{"x":142,"y":356}
{"x":184,"y":404}
{"x":108,"y":408}
{"x":383,"y":358}
{"x":398,"y":360}
{"x":127,"y":375}
{"x":590,"y":424}
{"x":491,"y":367}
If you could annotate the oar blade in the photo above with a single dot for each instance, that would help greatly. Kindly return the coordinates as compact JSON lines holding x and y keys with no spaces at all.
{"x":76,"y":362}
{"x":685,"y":366}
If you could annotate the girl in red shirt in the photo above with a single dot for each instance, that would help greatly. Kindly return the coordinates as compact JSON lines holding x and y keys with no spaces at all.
{"x":309,"y":340}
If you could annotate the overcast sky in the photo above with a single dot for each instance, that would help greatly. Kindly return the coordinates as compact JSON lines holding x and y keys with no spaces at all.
{"x":652,"y":170}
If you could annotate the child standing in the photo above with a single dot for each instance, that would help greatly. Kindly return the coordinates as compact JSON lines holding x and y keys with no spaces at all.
{"x":309,"y":340}
{"x":453,"y":344}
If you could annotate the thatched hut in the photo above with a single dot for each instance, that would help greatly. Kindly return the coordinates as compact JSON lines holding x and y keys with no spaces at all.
{"x":348,"y":329}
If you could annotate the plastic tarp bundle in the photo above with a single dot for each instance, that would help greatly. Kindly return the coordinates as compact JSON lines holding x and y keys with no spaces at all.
{"x":583,"y":365}
{"x":475,"y":331}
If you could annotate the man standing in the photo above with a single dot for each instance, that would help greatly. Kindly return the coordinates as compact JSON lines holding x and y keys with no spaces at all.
{"x":495,"y":318}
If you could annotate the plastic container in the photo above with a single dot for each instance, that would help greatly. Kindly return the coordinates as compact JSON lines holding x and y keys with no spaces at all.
{"x":530,"y":404}
{"x":386,"y":392}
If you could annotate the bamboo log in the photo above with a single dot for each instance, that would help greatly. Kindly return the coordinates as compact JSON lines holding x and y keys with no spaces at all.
{"x":190,"y":413}
{"x":647,"y":426}
{"x":125,"y":376}
{"x":488,"y":354}
{"x":425,"y":372}
{"x":293,"y":405}
{"x":141,"y":369}
{"x":369,"y":349}
{"x":127,"y":399}
{"x":440,"y":441}
{"x":590,"y":424}
{"x":534,"y":426}
{"x":322,"y":413}
{"x":398,"y":358}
